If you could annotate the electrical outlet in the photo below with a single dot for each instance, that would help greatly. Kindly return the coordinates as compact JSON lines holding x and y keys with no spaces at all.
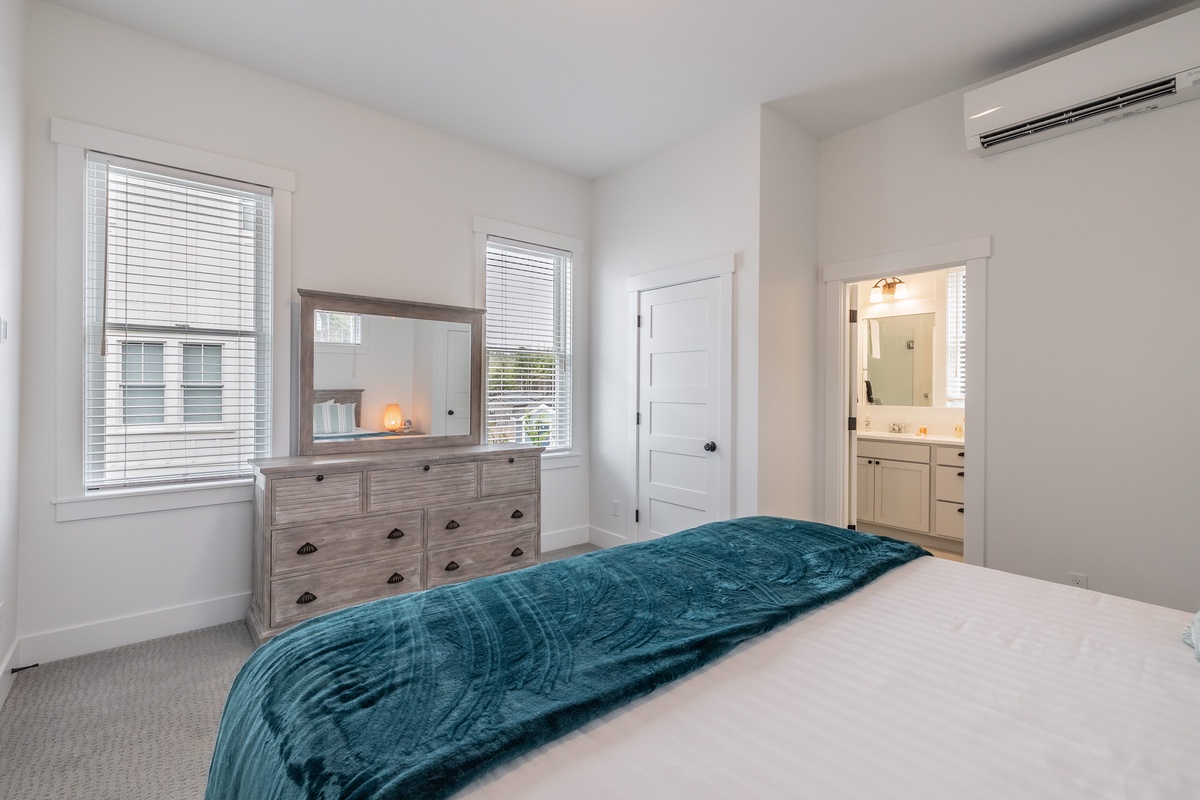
{"x":616,"y":508}
{"x":1077,"y":579}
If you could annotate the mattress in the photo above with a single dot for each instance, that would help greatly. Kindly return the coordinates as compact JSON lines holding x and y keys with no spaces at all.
{"x":937,"y":680}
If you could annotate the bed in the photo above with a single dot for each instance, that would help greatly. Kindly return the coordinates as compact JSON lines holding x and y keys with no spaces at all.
{"x":931,"y":679}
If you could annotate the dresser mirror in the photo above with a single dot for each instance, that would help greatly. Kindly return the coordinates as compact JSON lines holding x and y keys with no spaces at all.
{"x":379,"y":374}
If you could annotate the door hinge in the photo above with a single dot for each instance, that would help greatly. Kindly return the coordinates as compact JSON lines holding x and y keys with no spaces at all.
{"x":854,"y":315}
{"x":639,"y":320}
{"x":635,"y":515}
{"x":639,"y":419}
{"x":853,"y":424}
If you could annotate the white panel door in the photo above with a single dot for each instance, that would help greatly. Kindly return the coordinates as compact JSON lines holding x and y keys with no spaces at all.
{"x":683,"y":454}
{"x":458,"y":382}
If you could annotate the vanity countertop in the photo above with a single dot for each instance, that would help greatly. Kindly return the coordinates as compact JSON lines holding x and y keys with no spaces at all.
{"x":930,"y":438}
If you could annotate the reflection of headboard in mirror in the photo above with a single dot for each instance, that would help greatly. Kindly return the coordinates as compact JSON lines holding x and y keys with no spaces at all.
{"x":426,"y":358}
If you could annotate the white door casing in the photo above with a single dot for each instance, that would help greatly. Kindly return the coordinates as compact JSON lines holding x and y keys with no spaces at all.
{"x":682,"y":397}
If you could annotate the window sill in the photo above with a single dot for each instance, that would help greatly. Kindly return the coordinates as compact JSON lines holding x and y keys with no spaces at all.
{"x":122,"y":502}
{"x":561,"y":460}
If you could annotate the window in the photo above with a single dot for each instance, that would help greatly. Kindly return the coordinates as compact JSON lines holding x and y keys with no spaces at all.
{"x":335,"y":327}
{"x":177,"y":325}
{"x":956,"y":337}
{"x":528,"y":344}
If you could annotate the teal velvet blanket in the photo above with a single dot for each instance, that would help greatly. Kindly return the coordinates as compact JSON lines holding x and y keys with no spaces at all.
{"x":415,"y":696}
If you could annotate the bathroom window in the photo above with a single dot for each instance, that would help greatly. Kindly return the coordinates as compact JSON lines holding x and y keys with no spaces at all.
{"x":956,"y":338}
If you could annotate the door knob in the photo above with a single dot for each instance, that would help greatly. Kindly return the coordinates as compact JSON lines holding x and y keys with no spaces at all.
{"x":451,"y":412}
{"x":710,"y":447}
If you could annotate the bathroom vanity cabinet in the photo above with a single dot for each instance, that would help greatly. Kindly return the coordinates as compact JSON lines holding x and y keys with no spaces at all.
{"x":911,"y":485}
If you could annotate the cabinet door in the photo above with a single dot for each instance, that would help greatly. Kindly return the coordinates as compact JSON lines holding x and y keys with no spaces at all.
{"x":866,"y":489}
{"x":902,"y":495}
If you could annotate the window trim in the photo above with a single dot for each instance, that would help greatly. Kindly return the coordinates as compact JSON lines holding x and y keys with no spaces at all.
{"x":72,"y":140}
{"x":485,"y":227}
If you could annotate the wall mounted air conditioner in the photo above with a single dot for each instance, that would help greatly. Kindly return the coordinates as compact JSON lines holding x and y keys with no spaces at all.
{"x":1137,"y":72}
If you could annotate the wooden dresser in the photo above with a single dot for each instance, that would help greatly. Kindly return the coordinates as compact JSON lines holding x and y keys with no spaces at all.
{"x":331,"y":531}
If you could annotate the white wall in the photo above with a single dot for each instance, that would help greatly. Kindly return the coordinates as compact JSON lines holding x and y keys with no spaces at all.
{"x":691,"y":202}
{"x":11,"y":212}
{"x":382,"y":207}
{"x":1090,"y":364}
{"x":788,"y":423}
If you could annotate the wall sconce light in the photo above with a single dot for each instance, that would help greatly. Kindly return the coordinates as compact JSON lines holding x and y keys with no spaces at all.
{"x":888,"y":289}
{"x":393,"y":417}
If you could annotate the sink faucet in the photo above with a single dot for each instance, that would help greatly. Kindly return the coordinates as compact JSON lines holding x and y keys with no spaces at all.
{"x":898,"y":427}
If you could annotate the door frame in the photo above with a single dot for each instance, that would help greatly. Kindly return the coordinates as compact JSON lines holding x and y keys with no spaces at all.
{"x":836,"y":355}
{"x":722,"y":267}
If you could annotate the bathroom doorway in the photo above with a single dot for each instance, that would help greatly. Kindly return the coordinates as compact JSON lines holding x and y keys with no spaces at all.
{"x":889,"y":479}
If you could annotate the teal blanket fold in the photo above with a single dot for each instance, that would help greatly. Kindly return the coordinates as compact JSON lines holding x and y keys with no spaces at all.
{"x":417,"y":695}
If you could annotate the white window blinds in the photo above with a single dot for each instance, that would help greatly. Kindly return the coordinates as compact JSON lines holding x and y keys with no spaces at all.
{"x":528,"y":344}
{"x":956,"y":337}
{"x":177,"y":304}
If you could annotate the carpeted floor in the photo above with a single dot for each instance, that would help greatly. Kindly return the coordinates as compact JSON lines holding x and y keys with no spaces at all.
{"x":131,"y":723}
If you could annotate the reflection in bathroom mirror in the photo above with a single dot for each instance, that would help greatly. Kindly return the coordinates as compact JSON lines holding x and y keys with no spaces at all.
{"x":421,"y":365}
{"x":897,"y":360}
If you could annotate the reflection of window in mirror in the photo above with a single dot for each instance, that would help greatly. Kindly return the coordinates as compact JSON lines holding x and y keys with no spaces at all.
{"x":335,"y":327}
{"x":956,"y":337}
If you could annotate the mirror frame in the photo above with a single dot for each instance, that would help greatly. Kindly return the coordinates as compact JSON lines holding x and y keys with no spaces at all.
{"x":312,"y":300}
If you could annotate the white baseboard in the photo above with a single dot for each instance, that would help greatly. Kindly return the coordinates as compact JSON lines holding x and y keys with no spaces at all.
{"x":6,"y":677}
{"x":603,"y":538}
{"x":570,"y":537}
{"x":93,"y":637}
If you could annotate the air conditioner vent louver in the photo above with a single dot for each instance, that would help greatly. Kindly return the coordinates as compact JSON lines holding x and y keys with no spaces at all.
{"x":1104,"y":105}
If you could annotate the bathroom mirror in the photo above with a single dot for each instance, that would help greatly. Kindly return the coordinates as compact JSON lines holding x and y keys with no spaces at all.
{"x":897,"y":360}
{"x":379,"y":374}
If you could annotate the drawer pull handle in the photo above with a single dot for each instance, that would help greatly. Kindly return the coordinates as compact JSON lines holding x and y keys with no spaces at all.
{"x":307,"y":597}
{"x":306,"y":549}
{"x":960,"y":509}
{"x":451,"y":525}
{"x":518,"y":552}
{"x":961,"y":474}
{"x":396,"y":578}
{"x":963,"y":454}
{"x":517,"y":514}
{"x":426,"y":468}
{"x":396,"y":534}
{"x":511,"y":460}
{"x":320,"y":478}
{"x":451,"y":567}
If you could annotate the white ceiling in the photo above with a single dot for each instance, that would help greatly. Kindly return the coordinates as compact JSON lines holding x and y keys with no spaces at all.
{"x":589,"y":86}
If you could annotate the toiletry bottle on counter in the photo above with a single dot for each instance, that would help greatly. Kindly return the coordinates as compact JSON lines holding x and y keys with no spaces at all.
{"x":960,"y":430}
{"x":867,"y":421}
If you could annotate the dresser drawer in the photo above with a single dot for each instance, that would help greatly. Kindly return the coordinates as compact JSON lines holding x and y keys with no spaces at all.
{"x":948,"y":484}
{"x":314,"y":497}
{"x":418,"y":486}
{"x":450,"y":524}
{"x":343,"y":586}
{"x":314,"y":547}
{"x":948,"y":520}
{"x":951,"y":456}
{"x":508,"y":475}
{"x":476,"y":559}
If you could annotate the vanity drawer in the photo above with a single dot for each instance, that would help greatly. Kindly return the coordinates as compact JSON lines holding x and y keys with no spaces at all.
{"x":313,"y":547}
{"x":948,"y":484}
{"x":894,"y":451}
{"x":508,"y":475}
{"x":485,"y":557}
{"x":315,"y":497}
{"x":343,"y":586}
{"x":420,"y":485}
{"x":948,"y":520}
{"x":450,"y":524}
{"x":951,"y":456}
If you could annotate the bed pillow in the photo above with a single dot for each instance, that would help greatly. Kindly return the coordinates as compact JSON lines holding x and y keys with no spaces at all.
{"x":1191,"y":635}
{"x":332,"y":418}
